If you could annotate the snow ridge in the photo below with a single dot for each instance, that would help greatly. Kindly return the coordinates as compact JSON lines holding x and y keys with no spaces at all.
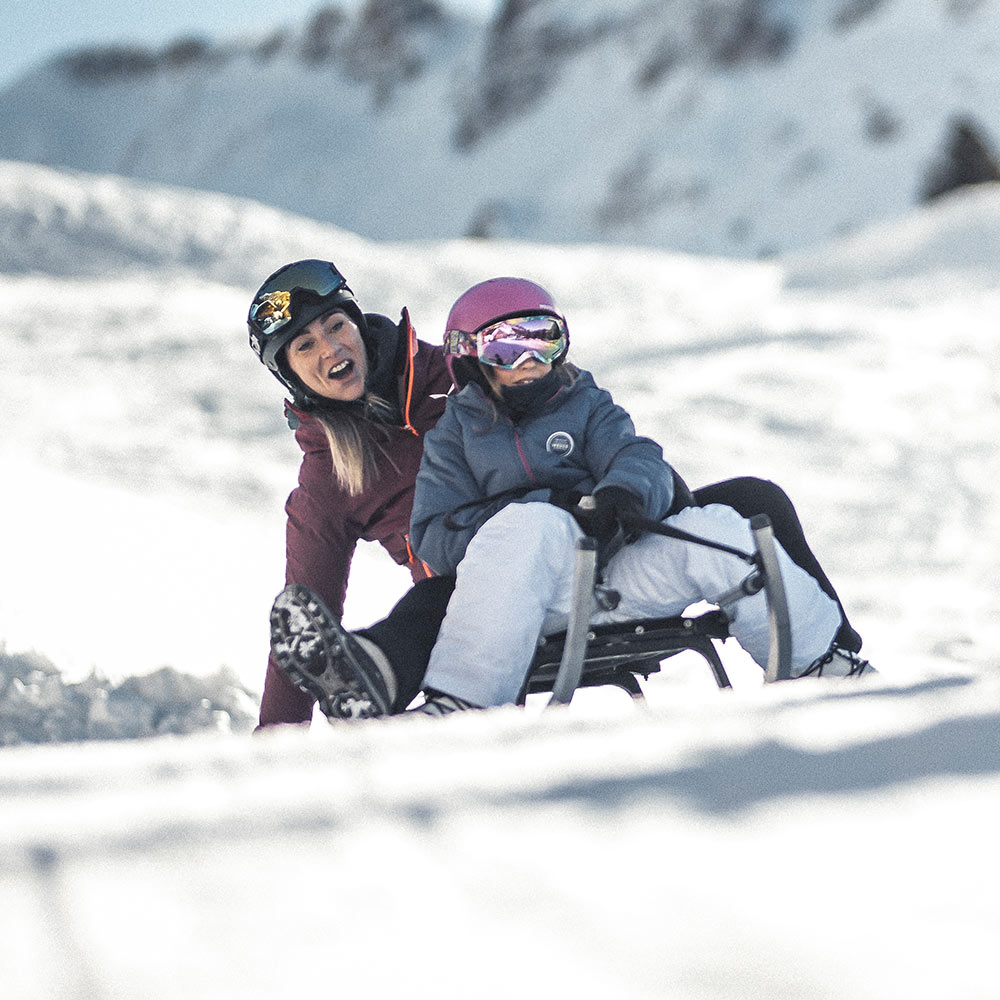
{"x":737,"y":127}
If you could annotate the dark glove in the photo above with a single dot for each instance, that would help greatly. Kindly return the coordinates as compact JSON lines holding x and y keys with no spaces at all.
{"x":612,"y":507}
{"x":567,"y":499}
{"x":605,"y":521}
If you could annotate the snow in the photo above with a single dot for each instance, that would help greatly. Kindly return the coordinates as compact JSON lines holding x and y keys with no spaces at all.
{"x":792,"y":842}
{"x":817,"y":839}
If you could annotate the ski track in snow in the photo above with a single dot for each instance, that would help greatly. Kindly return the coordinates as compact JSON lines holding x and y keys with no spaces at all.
{"x":819,"y":839}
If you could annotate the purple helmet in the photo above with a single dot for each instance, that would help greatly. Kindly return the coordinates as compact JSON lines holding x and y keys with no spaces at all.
{"x":489,"y":302}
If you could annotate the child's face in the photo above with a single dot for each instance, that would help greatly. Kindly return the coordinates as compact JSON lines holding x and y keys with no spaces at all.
{"x":528,"y":371}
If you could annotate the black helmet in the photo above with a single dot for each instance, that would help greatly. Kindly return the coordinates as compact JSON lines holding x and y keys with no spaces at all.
{"x":287,"y":303}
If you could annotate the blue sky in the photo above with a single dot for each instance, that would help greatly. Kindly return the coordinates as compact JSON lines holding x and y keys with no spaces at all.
{"x":32,"y":32}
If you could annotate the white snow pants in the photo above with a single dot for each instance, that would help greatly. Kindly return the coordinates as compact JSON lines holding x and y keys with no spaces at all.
{"x":516,"y":581}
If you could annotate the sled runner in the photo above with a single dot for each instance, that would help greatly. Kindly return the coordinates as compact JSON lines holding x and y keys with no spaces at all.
{"x":618,"y":654}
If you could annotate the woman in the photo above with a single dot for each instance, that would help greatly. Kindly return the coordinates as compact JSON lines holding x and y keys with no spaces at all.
{"x":363,"y":392}
{"x":362,"y":397}
{"x":496,"y":500}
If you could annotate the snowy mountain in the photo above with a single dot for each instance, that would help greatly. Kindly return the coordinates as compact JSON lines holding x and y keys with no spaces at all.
{"x":736,"y":127}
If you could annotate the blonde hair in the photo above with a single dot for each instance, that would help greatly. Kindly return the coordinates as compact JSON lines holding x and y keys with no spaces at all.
{"x":356,"y":439}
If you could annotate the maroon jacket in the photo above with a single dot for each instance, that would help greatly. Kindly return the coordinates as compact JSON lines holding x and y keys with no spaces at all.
{"x":324,"y":524}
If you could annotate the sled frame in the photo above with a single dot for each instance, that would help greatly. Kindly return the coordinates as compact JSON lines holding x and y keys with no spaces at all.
{"x":619,"y":654}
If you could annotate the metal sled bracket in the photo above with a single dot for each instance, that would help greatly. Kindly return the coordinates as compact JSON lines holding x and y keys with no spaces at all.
{"x":779,"y":657}
{"x":767,"y":576}
{"x":575,"y":651}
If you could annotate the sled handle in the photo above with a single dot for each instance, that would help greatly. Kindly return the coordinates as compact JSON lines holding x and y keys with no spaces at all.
{"x":779,"y":656}
{"x":575,"y":648}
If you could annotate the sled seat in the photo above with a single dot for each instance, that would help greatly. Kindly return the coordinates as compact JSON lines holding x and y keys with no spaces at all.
{"x":621,"y":653}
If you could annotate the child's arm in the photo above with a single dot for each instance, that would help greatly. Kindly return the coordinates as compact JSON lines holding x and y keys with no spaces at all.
{"x":619,"y":457}
{"x":445,"y":482}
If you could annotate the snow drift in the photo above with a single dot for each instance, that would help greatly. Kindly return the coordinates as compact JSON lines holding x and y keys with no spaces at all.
{"x":810,"y":840}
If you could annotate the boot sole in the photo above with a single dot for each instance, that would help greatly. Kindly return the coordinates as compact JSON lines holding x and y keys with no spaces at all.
{"x":320,"y":658}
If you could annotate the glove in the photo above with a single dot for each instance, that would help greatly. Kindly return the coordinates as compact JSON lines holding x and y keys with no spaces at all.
{"x":612,"y":506}
{"x":603,"y":521}
{"x":567,"y":499}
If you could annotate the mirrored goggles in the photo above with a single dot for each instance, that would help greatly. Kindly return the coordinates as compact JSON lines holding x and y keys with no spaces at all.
{"x":272,"y":307}
{"x":510,"y":342}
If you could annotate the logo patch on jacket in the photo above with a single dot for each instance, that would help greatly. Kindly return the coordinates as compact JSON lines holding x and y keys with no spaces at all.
{"x":560,"y":443}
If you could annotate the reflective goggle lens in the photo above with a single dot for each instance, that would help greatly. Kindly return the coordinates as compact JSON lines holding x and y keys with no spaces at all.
{"x":272,"y":308}
{"x":510,"y":342}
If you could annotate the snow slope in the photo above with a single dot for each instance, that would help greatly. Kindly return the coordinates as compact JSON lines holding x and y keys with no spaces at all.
{"x":150,"y":454}
{"x":736,"y":127}
{"x":809,"y":840}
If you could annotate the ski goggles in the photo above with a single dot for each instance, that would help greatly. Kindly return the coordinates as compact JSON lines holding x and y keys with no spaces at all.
{"x":272,"y":306}
{"x":510,"y":342}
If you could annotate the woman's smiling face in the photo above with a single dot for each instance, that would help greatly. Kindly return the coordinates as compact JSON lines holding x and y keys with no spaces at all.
{"x":329,"y":357}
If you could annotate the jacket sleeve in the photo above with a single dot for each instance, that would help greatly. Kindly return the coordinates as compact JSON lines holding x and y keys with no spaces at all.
{"x":445,"y":483}
{"x":620,"y":457}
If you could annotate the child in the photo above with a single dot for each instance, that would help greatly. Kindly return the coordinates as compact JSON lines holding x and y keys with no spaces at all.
{"x":528,"y":433}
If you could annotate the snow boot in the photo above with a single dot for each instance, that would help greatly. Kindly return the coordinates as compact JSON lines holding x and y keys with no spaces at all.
{"x":439,"y":703}
{"x":838,"y":662}
{"x":348,"y":676}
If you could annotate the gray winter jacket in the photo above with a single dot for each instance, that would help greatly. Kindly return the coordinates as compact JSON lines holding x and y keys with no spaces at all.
{"x":477,"y":460}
